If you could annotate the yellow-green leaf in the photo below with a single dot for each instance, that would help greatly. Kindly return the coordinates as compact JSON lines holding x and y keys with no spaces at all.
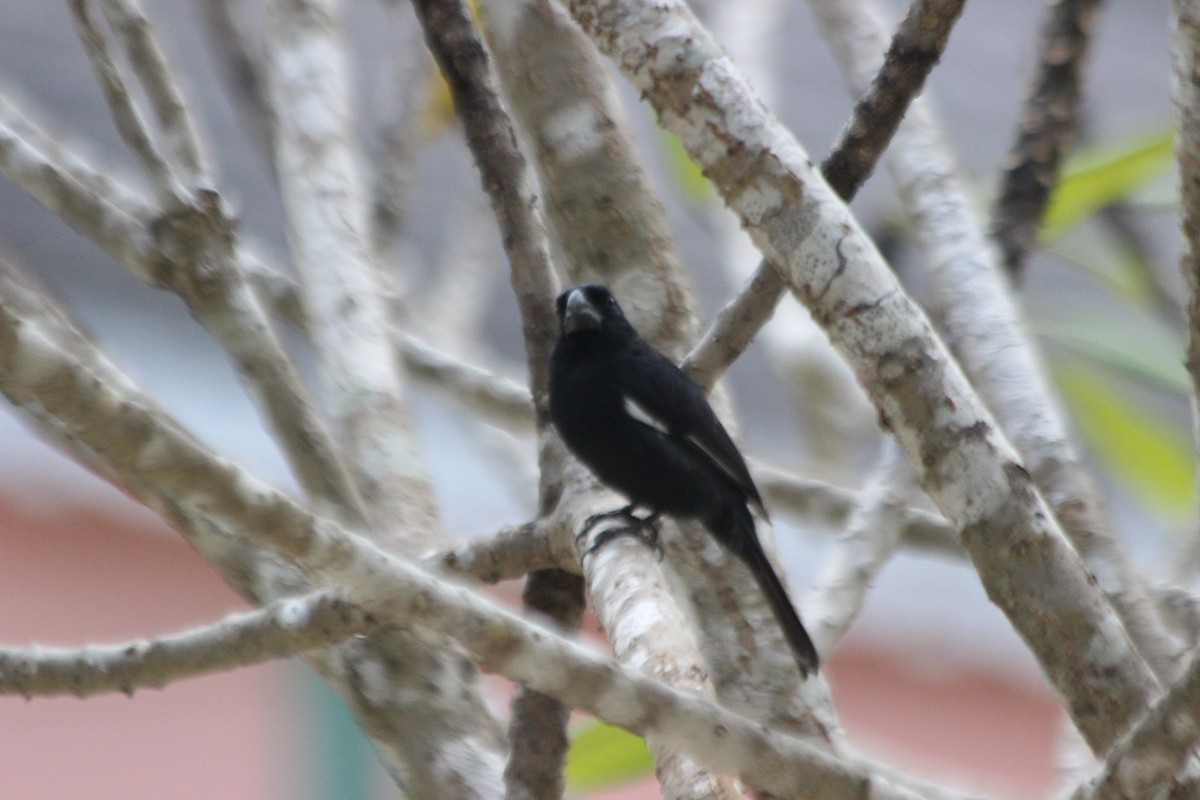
{"x":1096,"y":177}
{"x":603,"y":755}
{"x":692,"y":184}
{"x":1094,"y":251}
{"x":1148,"y":455}
{"x":1147,"y":352}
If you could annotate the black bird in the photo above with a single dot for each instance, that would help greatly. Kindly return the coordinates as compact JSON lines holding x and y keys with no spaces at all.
{"x":645,"y":429}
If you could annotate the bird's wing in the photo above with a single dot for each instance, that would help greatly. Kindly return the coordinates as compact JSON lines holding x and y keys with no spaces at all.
{"x":658,"y":394}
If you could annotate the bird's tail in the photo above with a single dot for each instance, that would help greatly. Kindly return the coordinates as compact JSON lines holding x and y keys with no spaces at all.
{"x":745,"y":545}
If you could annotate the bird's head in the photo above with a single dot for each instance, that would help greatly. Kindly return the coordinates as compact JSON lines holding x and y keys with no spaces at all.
{"x":589,"y":307}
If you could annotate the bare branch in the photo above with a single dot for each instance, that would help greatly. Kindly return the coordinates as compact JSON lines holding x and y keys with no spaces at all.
{"x":464,"y":62}
{"x":1049,"y":124}
{"x":1147,"y":757}
{"x":177,"y":130}
{"x":192,"y":252}
{"x":915,"y":49}
{"x":817,"y":501}
{"x":982,"y":323}
{"x":326,"y":211}
{"x":511,"y":553}
{"x":498,"y":400}
{"x":284,"y":628}
{"x":861,"y":551}
{"x":132,"y":127}
{"x":635,"y":603}
{"x":538,"y":723}
{"x":97,"y":205}
{"x":965,"y":463}
{"x":735,"y":326}
{"x":51,"y":371}
{"x":244,"y":74}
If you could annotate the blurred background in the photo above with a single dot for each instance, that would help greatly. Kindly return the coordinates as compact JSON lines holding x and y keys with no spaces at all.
{"x":931,"y":677}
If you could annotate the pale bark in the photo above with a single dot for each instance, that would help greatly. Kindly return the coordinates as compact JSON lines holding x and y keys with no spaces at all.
{"x":73,"y":392}
{"x":216,"y":504}
{"x":982,"y":324}
{"x":283,"y":628}
{"x":966,"y":465}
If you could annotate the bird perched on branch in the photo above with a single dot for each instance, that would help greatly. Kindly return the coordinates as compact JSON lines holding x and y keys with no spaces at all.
{"x":646,"y":430}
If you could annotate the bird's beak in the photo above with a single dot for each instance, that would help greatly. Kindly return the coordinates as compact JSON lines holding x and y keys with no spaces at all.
{"x":580,"y":315}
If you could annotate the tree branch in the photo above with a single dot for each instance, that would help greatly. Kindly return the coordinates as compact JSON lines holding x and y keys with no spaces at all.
{"x":176,"y":128}
{"x":464,"y":62}
{"x":980,"y":320}
{"x":97,"y":205}
{"x":281,"y":629}
{"x":243,"y":73}
{"x":538,"y":723}
{"x":915,"y":49}
{"x":51,"y":371}
{"x":174,"y":473}
{"x":1146,"y":758}
{"x":511,"y":553}
{"x":168,"y":185}
{"x":862,"y":549}
{"x":193,"y":252}
{"x":1049,"y":124}
{"x":816,"y":501}
{"x":965,"y":463}
{"x":326,"y":212}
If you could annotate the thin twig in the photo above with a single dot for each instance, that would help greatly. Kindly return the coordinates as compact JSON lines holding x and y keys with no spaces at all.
{"x":982,"y":323}
{"x":94,"y":203}
{"x":965,"y":463}
{"x":537,"y":726}
{"x":921,"y":532}
{"x":915,"y":49}
{"x":178,"y":132}
{"x":1147,"y":757}
{"x":279,"y":630}
{"x":171,"y":192}
{"x":510,"y":553}
{"x":505,"y":174}
{"x":861,"y":550}
{"x":243,"y":72}
{"x":1049,"y":124}
{"x":326,"y":211}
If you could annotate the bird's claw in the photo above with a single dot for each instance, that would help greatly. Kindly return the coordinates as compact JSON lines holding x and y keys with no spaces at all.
{"x":643,"y":529}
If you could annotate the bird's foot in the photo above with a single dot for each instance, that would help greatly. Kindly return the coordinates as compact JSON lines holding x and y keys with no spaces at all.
{"x":625,"y":513}
{"x":644,"y":529}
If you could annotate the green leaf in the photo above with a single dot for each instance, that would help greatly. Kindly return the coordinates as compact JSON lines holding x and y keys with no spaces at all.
{"x":1096,"y":177}
{"x":1146,"y":353}
{"x":603,"y":755}
{"x":1094,"y":251}
{"x":1147,"y":455}
{"x":692,"y":184}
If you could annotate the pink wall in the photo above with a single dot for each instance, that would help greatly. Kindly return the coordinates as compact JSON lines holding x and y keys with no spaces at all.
{"x":74,"y":578}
